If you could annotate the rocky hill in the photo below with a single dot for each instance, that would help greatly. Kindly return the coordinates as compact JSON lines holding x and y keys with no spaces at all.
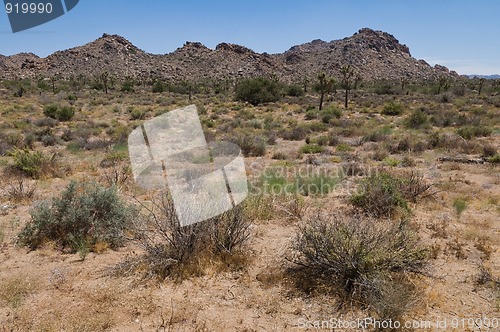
{"x":374,"y":54}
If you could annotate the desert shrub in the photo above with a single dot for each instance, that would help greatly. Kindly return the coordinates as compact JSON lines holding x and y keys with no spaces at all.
{"x":355,"y":254}
{"x":379,"y":195}
{"x":158,"y":87}
{"x":294,"y":90}
{"x":19,"y":190}
{"x":296,"y":133}
{"x":494,"y":159}
{"x":311,"y":114}
{"x":377,"y":135}
{"x":84,"y":215}
{"x":46,"y":122}
{"x":61,"y":113}
{"x":279,"y":155}
{"x":416,"y":119}
{"x":175,"y":251}
{"x":389,"y":161}
{"x":384,"y":193}
{"x":257,"y":91}
{"x":342,"y":147}
{"x":11,"y":141}
{"x":137,"y":114}
{"x":311,"y":148}
{"x":383,"y":88}
{"x":35,"y":164}
{"x":460,"y":204}
{"x":392,"y":108}
{"x":470,"y":132}
{"x":489,"y":150}
{"x":48,"y":140}
{"x":250,"y":145}
{"x":128,"y":85}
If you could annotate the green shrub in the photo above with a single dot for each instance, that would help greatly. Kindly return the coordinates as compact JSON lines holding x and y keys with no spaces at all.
{"x":311,"y":114}
{"x":330,"y":113}
{"x":392,"y":108}
{"x":257,"y":91}
{"x":137,"y":114}
{"x":342,"y":147}
{"x":311,"y":148}
{"x":495,"y":159}
{"x":83,"y":216}
{"x":379,"y":195}
{"x":51,"y":111}
{"x":64,"y":113}
{"x":416,"y":119}
{"x":470,"y":132}
{"x":385,"y":194}
{"x":460,"y":204}
{"x":389,"y":161}
{"x":128,"y":85}
{"x":158,"y":87}
{"x":294,"y":90}
{"x":32,"y":163}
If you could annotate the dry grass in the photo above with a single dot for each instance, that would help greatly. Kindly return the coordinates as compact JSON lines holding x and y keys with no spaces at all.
{"x":15,"y":290}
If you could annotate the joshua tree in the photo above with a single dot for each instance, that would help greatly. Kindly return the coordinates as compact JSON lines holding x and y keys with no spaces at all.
{"x":105,"y":79}
{"x":443,"y":84}
{"x":305,"y":82}
{"x":325,"y":85}
{"x":496,"y":84}
{"x":53,"y":80}
{"x":347,"y":73}
{"x":481,"y":83}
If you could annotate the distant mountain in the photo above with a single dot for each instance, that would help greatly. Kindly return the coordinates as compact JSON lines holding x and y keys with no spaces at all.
{"x":374,"y":55}
{"x":488,"y":77}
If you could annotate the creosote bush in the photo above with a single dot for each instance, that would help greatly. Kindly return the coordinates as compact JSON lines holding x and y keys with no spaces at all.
{"x":386,"y":194}
{"x":34,"y":164}
{"x":84,"y":215}
{"x":180,"y":252}
{"x":360,"y":258}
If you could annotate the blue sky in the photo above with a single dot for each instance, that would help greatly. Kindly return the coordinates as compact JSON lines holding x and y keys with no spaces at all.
{"x":462,"y":35}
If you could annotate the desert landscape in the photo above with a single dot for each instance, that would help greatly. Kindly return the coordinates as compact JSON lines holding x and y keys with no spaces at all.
{"x":373,"y":191}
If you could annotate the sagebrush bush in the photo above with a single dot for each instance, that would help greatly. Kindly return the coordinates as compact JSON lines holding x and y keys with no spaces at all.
{"x":354,"y":252}
{"x":85,"y":214}
{"x":258,"y":90}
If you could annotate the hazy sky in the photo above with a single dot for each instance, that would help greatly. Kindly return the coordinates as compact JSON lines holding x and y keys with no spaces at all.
{"x":462,"y":35}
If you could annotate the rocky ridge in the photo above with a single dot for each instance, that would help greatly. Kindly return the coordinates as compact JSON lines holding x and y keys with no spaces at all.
{"x":375,"y":55}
